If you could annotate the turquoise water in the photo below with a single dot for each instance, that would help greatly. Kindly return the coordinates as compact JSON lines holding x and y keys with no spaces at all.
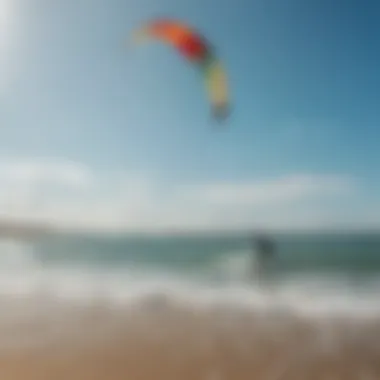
{"x":310,"y":271}
{"x":356,"y":255}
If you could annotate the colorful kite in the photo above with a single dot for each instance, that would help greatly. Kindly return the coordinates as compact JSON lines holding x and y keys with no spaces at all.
{"x":196,"y":50}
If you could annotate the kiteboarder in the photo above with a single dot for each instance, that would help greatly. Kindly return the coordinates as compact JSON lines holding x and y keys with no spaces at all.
{"x":264,"y":251}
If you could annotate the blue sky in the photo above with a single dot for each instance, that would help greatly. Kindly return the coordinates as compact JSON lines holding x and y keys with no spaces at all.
{"x":303,"y":78}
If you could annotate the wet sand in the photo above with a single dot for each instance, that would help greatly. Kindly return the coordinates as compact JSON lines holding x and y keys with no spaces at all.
{"x":169,"y":341}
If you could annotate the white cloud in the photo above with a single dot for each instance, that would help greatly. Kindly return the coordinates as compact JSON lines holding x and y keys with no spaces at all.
{"x":29,"y":186}
{"x":69,"y":195}
{"x":44,"y":171}
{"x":278,"y":190}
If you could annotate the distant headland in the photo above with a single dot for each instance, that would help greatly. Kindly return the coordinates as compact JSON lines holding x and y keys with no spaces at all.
{"x":14,"y":229}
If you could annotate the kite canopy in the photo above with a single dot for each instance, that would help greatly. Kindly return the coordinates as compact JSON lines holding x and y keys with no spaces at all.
{"x":196,"y":49}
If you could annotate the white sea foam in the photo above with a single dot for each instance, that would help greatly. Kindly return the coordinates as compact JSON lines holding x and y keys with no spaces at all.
{"x":23,"y":275}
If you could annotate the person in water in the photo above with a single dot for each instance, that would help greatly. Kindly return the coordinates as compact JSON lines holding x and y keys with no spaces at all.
{"x":264,"y":251}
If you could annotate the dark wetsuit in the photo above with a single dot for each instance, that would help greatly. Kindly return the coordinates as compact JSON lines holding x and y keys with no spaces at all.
{"x":264,"y":249}
{"x":265,"y":246}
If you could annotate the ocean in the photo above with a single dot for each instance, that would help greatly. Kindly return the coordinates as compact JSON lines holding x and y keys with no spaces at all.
{"x":324,"y":272}
{"x":190,"y":307}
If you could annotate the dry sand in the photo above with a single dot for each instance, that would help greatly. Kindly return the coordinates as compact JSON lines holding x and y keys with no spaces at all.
{"x":171,"y":342}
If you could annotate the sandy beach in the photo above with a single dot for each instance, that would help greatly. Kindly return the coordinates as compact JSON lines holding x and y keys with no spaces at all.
{"x":156,"y":339}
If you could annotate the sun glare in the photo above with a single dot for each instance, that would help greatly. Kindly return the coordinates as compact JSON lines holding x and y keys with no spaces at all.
{"x":5,"y":22}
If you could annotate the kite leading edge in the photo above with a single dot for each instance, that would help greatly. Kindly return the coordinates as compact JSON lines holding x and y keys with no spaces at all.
{"x":197,"y":50}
